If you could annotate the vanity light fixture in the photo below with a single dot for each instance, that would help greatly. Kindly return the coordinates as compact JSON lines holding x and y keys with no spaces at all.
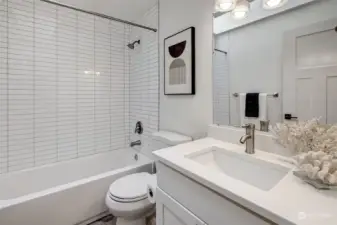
{"x":225,"y":5}
{"x":273,"y":4}
{"x":241,"y":10}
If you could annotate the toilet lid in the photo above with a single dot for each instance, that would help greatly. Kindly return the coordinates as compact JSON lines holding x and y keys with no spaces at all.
{"x":131,"y":187}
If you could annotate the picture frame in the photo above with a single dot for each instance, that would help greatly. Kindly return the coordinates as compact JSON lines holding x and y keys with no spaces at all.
{"x":179,"y":63}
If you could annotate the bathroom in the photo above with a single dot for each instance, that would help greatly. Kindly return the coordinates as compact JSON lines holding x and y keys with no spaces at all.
{"x":95,"y":130}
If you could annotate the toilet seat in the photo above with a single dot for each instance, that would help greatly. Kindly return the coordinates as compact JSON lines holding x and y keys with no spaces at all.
{"x":130,"y":210}
{"x":126,"y":200}
{"x":131,"y":188}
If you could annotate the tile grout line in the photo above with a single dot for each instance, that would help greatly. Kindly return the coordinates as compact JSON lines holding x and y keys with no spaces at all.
{"x":77,"y":77}
{"x":7,"y":73}
{"x":34,"y":85}
{"x":125,"y":80}
{"x":94,"y":82}
{"x":110,"y":92}
{"x":57,"y":84}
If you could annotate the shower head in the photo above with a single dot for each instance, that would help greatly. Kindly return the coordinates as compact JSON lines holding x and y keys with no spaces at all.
{"x":132,"y":45}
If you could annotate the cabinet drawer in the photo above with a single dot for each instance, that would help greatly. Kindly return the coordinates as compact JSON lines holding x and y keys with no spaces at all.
{"x":170,"y":212}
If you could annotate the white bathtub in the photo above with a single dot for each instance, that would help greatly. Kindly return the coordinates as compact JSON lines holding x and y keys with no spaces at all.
{"x":64,"y":193}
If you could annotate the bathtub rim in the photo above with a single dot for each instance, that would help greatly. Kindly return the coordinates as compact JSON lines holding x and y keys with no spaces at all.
{"x":76,"y":183}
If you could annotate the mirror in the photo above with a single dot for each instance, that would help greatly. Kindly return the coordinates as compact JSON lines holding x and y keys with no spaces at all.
{"x":287,"y":54}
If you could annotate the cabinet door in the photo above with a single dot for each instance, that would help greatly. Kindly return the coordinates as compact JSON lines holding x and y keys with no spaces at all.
{"x":170,"y":212}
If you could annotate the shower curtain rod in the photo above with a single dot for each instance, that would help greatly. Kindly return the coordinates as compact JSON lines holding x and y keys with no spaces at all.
{"x":100,"y":15}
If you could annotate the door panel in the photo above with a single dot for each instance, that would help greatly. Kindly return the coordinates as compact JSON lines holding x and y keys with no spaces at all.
{"x":332,"y":99}
{"x":309,"y":65}
{"x":304,"y":98}
{"x":170,"y":218}
{"x":170,"y":212}
{"x":310,"y":54}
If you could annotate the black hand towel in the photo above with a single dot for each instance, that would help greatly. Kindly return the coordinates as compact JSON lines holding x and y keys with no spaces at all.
{"x":252,"y":105}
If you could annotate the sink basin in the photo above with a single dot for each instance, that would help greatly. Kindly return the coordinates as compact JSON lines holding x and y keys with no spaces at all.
{"x":259,"y":173}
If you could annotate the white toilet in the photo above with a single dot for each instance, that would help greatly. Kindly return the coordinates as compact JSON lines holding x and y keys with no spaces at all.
{"x":127,"y":197}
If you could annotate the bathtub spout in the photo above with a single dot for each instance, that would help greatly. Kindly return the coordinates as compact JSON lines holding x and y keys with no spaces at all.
{"x":134,"y":143}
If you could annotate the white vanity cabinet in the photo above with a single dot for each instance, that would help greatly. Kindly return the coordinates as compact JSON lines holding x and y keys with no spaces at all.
{"x":182,"y":201}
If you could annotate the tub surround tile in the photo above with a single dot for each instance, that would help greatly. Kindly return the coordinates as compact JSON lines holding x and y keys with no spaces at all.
{"x":53,"y":105}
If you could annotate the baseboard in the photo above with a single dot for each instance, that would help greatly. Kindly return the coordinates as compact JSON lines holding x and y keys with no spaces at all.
{"x":94,"y":219}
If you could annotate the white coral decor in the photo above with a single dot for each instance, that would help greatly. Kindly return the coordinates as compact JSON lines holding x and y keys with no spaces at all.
{"x":315,"y":145}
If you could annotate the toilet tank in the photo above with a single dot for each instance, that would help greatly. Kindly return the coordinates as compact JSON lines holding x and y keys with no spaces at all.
{"x":165,"y":139}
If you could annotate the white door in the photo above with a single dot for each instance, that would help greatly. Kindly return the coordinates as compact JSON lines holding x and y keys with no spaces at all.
{"x":310,"y":72}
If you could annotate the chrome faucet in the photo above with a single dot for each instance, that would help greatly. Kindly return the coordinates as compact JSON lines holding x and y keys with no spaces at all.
{"x":134,"y":143}
{"x":249,"y":138}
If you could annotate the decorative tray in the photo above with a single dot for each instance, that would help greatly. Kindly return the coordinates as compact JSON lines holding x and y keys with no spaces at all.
{"x":315,"y":183}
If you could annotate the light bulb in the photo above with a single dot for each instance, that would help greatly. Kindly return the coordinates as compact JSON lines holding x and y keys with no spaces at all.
{"x":226,"y":5}
{"x":273,"y":4}
{"x":241,"y":10}
{"x":239,"y":14}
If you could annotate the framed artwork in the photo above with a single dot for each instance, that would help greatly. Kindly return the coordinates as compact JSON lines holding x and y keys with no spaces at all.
{"x":179,"y":63}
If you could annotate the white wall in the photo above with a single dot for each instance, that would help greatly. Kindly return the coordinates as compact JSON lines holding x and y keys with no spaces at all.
{"x":189,"y":115}
{"x":255,"y":52}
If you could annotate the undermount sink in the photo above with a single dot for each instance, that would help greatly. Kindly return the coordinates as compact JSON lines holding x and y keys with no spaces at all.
{"x":256,"y":172}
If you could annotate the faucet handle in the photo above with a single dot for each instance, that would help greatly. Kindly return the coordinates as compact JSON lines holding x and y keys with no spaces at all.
{"x":139,"y":128}
{"x":249,"y":125}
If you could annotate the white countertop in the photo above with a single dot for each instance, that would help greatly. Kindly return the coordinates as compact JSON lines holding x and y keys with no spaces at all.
{"x":290,"y":202}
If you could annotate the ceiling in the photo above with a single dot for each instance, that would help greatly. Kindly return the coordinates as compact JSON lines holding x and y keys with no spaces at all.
{"x":123,"y":9}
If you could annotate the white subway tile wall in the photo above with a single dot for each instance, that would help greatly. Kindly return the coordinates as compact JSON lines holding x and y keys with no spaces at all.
{"x":221,"y":92}
{"x":3,"y":87}
{"x":64,"y":84}
{"x":144,"y":79}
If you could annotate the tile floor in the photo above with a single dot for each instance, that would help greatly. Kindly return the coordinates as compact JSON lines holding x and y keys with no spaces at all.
{"x":107,"y":220}
{"x":110,"y":220}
